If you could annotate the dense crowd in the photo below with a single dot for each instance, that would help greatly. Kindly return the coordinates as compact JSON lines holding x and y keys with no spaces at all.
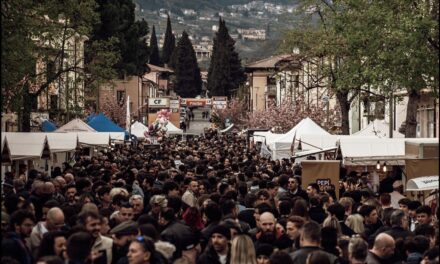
{"x":210,"y":199}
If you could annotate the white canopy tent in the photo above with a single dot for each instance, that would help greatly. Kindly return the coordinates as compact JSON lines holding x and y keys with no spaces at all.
{"x":101,"y":139}
{"x":425,"y":183}
{"x":76,"y":125}
{"x":172,"y":129}
{"x":27,"y":145}
{"x":116,"y":136}
{"x":62,"y":142}
{"x":5,"y":152}
{"x":265,"y":136}
{"x":367,"y":150}
{"x":378,"y":128}
{"x":138,"y":129}
{"x":281,"y":145}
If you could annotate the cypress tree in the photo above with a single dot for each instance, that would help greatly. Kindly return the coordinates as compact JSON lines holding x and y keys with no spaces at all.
{"x":225,"y":72}
{"x":169,"y":43}
{"x":188,"y":79}
{"x":154,"y":55}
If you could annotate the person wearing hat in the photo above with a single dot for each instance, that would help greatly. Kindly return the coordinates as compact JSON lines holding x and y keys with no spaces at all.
{"x":396,"y":195}
{"x":219,"y":251}
{"x":263,"y":253}
{"x":122,"y":234}
{"x":191,"y":247}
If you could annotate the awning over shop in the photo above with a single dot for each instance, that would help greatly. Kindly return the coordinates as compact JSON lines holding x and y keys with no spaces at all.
{"x":62,"y":142}
{"x":94,"y":139}
{"x":27,"y":145}
{"x":76,"y":125}
{"x":423,"y":183}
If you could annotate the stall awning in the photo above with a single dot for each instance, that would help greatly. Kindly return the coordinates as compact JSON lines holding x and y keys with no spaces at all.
{"x":312,"y":152}
{"x":27,"y":145}
{"x":62,"y":142}
{"x":423,"y":183}
{"x":75,"y":125}
{"x":94,"y":139}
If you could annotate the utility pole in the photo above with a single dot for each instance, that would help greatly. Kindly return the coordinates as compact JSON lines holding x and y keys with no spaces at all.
{"x":391,"y":115}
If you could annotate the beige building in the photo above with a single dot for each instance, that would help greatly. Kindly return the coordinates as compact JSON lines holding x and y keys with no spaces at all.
{"x":66,"y":93}
{"x":289,"y":76}
{"x":283,"y":77}
{"x":154,"y":84}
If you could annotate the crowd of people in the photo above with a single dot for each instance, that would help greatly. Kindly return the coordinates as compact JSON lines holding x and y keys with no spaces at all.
{"x":210,"y":199}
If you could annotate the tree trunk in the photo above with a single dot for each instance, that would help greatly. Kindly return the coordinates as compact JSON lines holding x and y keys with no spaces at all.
{"x":411,"y":113}
{"x":345,"y":108}
{"x":26,"y":110}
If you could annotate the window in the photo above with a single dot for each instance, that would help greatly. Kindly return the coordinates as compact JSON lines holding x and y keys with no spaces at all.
{"x":418,"y":128}
{"x":54,"y":102}
{"x":430,"y":123}
{"x":296,"y":81}
{"x":120,"y":96}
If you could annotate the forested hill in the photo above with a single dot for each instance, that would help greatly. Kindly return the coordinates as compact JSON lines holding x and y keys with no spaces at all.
{"x":176,"y":5}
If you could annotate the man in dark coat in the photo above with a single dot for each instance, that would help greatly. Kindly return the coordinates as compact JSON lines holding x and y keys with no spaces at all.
{"x":310,"y":240}
{"x":174,"y":231}
{"x":14,"y":244}
{"x":218,"y":252}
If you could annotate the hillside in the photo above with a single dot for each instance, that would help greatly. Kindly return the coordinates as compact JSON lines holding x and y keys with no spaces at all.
{"x":200,"y":17}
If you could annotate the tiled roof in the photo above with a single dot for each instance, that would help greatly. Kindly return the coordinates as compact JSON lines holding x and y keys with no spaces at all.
{"x":155,"y":68}
{"x":268,"y":62}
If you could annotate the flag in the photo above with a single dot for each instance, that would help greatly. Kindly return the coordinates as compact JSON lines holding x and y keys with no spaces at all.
{"x":127,"y":115}
{"x":292,"y":147}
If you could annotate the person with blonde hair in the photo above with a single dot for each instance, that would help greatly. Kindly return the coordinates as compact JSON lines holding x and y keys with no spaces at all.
{"x":243,"y":250}
{"x":356,"y":223}
{"x":332,"y":221}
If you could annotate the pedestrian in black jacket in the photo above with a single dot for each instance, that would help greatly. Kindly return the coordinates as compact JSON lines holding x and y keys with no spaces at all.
{"x":219,"y":251}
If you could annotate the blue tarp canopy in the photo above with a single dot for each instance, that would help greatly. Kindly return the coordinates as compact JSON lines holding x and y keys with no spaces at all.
{"x":48,"y":126}
{"x":101,"y":123}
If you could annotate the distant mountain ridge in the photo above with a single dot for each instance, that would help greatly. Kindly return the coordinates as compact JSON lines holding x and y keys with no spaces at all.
{"x":176,"y":5}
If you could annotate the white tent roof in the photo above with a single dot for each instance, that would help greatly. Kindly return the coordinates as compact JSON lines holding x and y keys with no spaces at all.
{"x":281,"y":145}
{"x":5,"y":152}
{"x":138,"y":129}
{"x":118,"y":136}
{"x":265,"y":136}
{"x":422,"y":183}
{"x":62,"y":142}
{"x":96,"y":139}
{"x":358,"y":148}
{"x":378,"y":128}
{"x":26,"y":145}
{"x":172,"y":129}
{"x":76,"y":125}
{"x":3,"y":142}
{"x":306,"y":126}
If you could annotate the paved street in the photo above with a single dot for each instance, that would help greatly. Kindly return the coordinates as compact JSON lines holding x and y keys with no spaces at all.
{"x":199,"y":123}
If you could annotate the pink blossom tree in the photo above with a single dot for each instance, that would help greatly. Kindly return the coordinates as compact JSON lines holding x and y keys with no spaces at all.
{"x":114,"y":110}
{"x":286,"y":115}
{"x":280,"y":117}
{"x":235,"y":111}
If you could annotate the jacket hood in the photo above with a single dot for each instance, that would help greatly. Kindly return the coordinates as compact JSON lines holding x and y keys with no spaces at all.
{"x":165,"y":248}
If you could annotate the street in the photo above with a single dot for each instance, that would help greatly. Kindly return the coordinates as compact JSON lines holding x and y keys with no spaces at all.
{"x":197,"y":125}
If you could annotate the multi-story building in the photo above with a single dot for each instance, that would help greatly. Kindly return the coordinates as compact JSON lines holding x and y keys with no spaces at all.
{"x":155,"y":83}
{"x":289,"y":76}
{"x":61,"y":69}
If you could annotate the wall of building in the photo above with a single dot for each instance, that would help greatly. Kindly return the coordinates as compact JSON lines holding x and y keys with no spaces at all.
{"x":258,"y":87}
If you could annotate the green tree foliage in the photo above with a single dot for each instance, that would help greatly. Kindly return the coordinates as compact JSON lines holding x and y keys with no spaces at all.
{"x":169,"y":43}
{"x":37,"y":32}
{"x":188,"y":80}
{"x":117,"y":20}
{"x":225,"y":73}
{"x":154,"y":55}
{"x":372,"y":47}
